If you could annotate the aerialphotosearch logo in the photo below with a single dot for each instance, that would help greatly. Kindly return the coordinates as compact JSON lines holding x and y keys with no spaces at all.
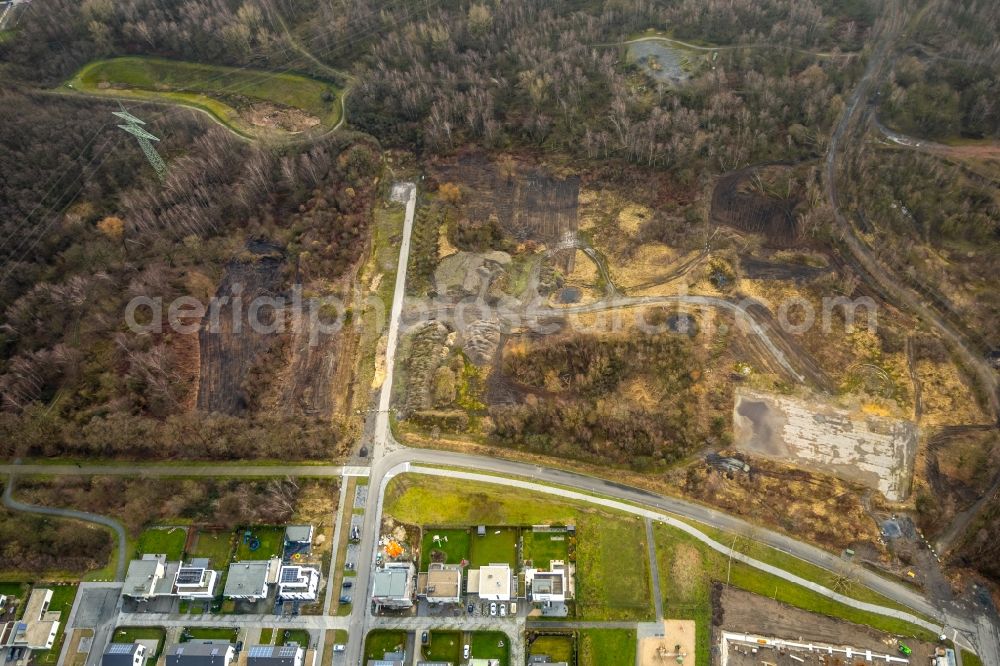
{"x":324,"y":316}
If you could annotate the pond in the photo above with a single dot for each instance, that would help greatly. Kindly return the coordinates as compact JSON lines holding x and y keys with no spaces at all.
{"x":661,"y":61}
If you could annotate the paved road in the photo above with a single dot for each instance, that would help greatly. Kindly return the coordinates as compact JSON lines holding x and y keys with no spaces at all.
{"x":162,"y":470}
{"x":14,"y":505}
{"x":311,"y":622}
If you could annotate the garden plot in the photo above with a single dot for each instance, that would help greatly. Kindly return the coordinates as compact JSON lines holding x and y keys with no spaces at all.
{"x":874,"y":451}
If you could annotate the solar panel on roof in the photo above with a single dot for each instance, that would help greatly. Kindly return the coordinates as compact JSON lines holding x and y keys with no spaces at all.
{"x":121,"y":648}
{"x":189,"y":576}
{"x":289,"y":575}
{"x":260,"y":651}
{"x":287,"y":651}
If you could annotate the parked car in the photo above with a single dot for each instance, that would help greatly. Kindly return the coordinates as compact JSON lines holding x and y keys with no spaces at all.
{"x":345,"y":599}
{"x":513,"y":608}
{"x":424,"y":638}
{"x":339,"y":647}
{"x":239,"y":646}
{"x":493,"y":609}
{"x":465,"y":652}
{"x":471,"y":609}
{"x":348,"y":584}
{"x":503,"y":610}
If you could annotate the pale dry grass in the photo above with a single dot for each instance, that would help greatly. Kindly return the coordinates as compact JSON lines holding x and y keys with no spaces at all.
{"x":945,"y":398}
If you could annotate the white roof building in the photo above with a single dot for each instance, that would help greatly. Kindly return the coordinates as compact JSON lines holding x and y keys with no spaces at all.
{"x":298,"y":583}
{"x":37,"y":628}
{"x":552,"y":585}
{"x":195,"y":580}
{"x":493,"y":582}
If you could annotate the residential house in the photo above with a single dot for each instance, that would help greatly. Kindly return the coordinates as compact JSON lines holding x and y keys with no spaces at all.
{"x":393,"y":585}
{"x":441,"y":584}
{"x":124,"y":654}
{"x":275,"y":655}
{"x":251,"y":580}
{"x":492,"y":583}
{"x":195,"y":580}
{"x":38,"y":626}
{"x":201,"y":653}
{"x":297,"y":583}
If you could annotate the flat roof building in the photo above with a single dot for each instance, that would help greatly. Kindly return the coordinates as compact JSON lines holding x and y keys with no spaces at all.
{"x":554,"y":585}
{"x":195,"y":580}
{"x":124,"y":654}
{"x":441,"y":584}
{"x":251,"y":580}
{"x":393,"y":585}
{"x":275,"y":655}
{"x":492,"y":583}
{"x":201,"y":653}
{"x":298,"y":583}
{"x":38,"y":626}
{"x":144,"y":575}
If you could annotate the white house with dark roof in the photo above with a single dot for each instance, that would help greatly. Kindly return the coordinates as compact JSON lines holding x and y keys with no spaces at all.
{"x":38,"y":626}
{"x":275,"y":655}
{"x":124,"y":654}
{"x":201,"y":653}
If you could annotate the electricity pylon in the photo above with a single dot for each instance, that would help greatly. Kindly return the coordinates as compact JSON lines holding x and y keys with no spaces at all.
{"x":145,"y":140}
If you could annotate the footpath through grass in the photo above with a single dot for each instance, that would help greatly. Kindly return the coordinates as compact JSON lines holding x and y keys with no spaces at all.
{"x":221,"y":91}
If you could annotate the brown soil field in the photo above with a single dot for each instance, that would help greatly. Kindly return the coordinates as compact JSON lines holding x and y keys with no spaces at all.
{"x":750,"y":613}
{"x":736,"y":204}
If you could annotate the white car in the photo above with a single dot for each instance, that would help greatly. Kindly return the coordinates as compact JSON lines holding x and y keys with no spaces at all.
{"x":503,"y":610}
{"x":339,"y":647}
{"x":493,"y":609}
{"x":513,"y":608}
{"x":465,"y":652}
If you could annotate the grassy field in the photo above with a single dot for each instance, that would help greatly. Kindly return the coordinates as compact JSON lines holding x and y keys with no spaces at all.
{"x":558,"y":647}
{"x":266,"y":634}
{"x":216,"y":546}
{"x":456,"y":548}
{"x":969,"y":659}
{"x":220,"y":91}
{"x":168,"y":541}
{"x":300,"y":636}
{"x":444,"y":646}
{"x":132,"y":634}
{"x":613,"y":570}
{"x":209,"y":634}
{"x":379,"y":642}
{"x":487,"y":645}
{"x":543,"y":547}
{"x":272,"y":544}
{"x":606,"y":647}
{"x":688,"y":567}
{"x":494,"y":548}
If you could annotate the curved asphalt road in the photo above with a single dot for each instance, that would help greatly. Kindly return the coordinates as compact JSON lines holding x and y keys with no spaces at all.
{"x":14,"y":505}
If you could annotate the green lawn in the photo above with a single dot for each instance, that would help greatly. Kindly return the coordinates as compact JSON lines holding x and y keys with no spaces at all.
{"x":444,"y":646}
{"x":497,"y":546}
{"x":558,"y":647}
{"x":168,"y":541}
{"x":213,"y":88}
{"x":379,"y":642}
{"x":18,"y":590}
{"x":454,"y":502}
{"x":456,"y":548}
{"x":209,"y":634}
{"x":300,"y":636}
{"x":132,"y":634}
{"x":487,"y":645}
{"x":272,"y":543}
{"x":216,"y":546}
{"x":607,"y":647}
{"x":613,"y":570}
{"x":543,"y":547}
{"x":266,"y":634}
{"x":969,"y":659}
